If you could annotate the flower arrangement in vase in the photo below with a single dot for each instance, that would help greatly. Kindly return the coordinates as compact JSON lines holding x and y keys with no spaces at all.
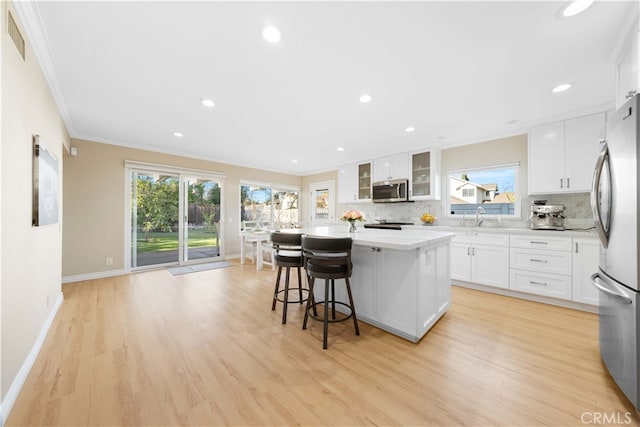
{"x":351,"y":216}
{"x":428,"y":219}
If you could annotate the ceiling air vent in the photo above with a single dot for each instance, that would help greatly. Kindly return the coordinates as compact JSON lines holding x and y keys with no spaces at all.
{"x":17,"y":38}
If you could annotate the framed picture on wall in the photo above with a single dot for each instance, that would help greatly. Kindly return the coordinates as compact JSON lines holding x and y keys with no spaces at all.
{"x":45,"y":184}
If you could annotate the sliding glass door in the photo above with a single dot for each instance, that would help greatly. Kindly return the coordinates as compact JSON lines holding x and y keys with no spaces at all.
{"x":174,"y":218}
{"x":202,"y":208}
{"x":154,"y":219}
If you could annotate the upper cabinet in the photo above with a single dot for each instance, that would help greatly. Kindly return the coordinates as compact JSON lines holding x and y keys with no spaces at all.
{"x":354,"y":182}
{"x":628,"y":68}
{"x":562,"y":154}
{"x":425,"y":175}
{"x":391,"y":167}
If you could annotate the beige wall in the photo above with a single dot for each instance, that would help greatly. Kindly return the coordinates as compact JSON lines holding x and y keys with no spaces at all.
{"x":94,"y":202}
{"x":490,"y":153}
{"x":31,"y":256}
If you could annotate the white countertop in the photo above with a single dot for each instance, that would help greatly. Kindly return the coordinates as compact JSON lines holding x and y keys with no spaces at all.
{"x":391,"y":239}
{"x":460,"y":229}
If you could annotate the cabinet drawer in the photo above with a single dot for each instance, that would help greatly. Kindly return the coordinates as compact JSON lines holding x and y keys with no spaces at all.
{"x":534,"y":241}
{"x":552,"y":285}
{"x":540,"y":260}
{"x":489,"y":239}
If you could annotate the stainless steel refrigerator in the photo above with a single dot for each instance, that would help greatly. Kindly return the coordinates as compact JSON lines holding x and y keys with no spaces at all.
{"x":615,"y":203}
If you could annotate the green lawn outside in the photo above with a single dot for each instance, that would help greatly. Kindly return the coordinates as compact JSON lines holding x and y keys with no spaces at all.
{"x":159,"y":241}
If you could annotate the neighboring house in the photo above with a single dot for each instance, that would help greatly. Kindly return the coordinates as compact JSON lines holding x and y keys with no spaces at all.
{"x":508,"y":197}
{"x":469,"y":192}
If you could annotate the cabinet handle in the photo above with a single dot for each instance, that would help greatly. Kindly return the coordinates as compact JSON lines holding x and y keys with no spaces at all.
{"x":568,"y":183}
{"x":537,"y":283}
{"x":576,"y":247}
{"x":630,"y":94}
{"x":473,"y":251}
{"x":561,"y":183}
{"x":468,"y":251}
{"x":544,"y":261}
{"x":533,"y":242}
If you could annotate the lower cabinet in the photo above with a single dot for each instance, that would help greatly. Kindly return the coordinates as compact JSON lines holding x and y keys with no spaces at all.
{"x":473,"y":261}
{"x":404,"y":292}
{"x":541,"y":271}
{"x":540,"y":283}
{"x":585,"y":263}
{"x":550,"y":265}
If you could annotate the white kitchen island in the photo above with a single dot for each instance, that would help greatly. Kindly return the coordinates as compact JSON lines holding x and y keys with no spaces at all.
{"x":401,"y":279}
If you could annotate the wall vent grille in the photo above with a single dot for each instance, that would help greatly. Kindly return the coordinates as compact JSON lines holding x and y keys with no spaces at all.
{"x":17,"y":38}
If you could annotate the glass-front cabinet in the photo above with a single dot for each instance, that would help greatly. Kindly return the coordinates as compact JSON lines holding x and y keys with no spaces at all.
{"x":354,"y":182}
{"x":364,"y":181}
{"x":425,"y":175}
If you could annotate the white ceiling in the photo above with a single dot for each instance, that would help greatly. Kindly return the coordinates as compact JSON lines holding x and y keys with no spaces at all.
{"x":132,"y":73}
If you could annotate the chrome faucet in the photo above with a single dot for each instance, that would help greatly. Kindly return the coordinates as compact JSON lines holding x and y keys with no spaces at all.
{"x":479,"y":218}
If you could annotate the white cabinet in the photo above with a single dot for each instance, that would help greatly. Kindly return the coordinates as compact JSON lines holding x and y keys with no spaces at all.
{"x":347,"y":183}
{"x":585,"y":263}
{"x":548,"y":264}
{"x":562,"y":154}
{"x":541,"y":265}
{"x":481,"y":258}
{"x":354,"y":182}
{"x":425,"y":175}
{"x":391,"y":167}
{"x":581,"y":149}
{"x":404,"y":292}
{"x":628,"y":68}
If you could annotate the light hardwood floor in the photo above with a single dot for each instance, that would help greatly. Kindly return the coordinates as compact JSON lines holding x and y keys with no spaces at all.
{"x":206,"y":349}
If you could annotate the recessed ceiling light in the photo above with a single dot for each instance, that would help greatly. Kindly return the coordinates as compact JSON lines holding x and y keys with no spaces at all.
{"x":575,"y":7}
{"x":365,"y":98}
{"x":208,"y":103}
{"x":340,"y":148}
{"x":271,"y":34}
{"x":178,"y":134}
{"x":441,"y":137}
{"x":409,"y":129}
{"x":294,"y":161}
{"x":561,"y":88}
{"x":512,"y":122}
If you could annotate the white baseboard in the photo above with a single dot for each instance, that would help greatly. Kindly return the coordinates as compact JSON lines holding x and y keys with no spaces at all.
{"x":531,"y":297}
{"x":91,"y":276}
{"x":13,"y":392}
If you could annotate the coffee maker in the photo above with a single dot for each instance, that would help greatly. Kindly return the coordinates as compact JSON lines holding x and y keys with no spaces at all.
{"x":546,"y":217}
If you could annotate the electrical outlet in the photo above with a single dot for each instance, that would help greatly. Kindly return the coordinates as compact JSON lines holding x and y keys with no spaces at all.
{"x":108,"y":261}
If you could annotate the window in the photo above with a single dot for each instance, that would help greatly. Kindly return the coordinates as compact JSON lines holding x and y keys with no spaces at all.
{"x":268,"y":206}
{"x":494,"y":188}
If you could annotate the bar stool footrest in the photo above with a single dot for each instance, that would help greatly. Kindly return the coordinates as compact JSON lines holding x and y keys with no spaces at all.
{"x":297,"y":301}
{"x":321,"y":319}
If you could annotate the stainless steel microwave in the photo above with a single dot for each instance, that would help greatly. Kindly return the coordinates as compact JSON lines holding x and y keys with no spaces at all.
{"x":393,"y":190}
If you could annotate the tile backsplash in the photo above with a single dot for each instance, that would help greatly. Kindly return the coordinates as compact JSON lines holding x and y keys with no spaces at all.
{"x":577,"y":212}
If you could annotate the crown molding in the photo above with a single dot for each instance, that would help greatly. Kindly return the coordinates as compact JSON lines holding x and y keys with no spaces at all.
{"x":29,"y":15}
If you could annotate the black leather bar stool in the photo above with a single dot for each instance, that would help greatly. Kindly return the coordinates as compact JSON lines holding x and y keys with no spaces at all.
{"x":287,"y":253}
{"x":328,"y":259}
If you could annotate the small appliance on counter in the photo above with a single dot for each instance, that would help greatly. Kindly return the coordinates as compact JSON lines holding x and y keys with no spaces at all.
{"x":546,"y":217}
